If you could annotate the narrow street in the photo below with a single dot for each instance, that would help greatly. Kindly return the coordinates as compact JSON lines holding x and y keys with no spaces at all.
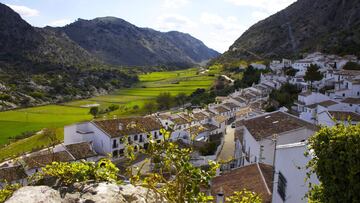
{"x":228,"y":149}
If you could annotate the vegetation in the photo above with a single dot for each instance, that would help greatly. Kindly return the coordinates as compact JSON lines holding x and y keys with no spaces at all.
{"x":7,"y":191}
{"x":94,"y":111}
{"x":244,"y":196}
{"x":351,"y":66}
{"x":285,"y":96}
{"x":336,"y":162}
{"x":13,"y":123}
{"x":67,"y":173}
{"x":313,"y":74}
{"x":164,"y":100}
{"x":290,"y":71}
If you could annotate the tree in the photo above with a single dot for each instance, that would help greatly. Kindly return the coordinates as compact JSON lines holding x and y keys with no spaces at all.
{"x":113,"y":107}
{"x":244,"y":196}
{"x":336,"y":162}
{"x":313,"y":74}
{"x":164,"y":100}
{"x":290,"y":71}
{"x":150,"y":107}
{"x":181,"y":99}
{"x":351,"y":66}
{"x":94,"y":111}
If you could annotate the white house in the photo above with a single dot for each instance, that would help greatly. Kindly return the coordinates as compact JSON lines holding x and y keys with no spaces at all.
{"x":260,"y":135}
{"x":349,"y":87}
{"x":290,"y":172}
{"x":308,"y":98}
{"x":108,"y":136}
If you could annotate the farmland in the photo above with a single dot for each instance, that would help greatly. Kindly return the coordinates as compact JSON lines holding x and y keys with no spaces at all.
{"x":15,"y":122}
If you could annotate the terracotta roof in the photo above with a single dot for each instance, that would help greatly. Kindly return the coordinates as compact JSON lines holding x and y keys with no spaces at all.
{"x":273,"y":123}
{"x":12,"y":173}
{"x":305,"y":93}
{"x":221,"y":109}
{"x":43,"y":159}
{"x":210,"y":113}
{"x":323,"y":103}
{"x":344,"y":115}
{"x":210,"y":127}
{"x":186,"y":117}
{"x":351,"y":100}
{"x":239,"y":99}
{"x":231,"y":105}
{"x":128,"y":126}
{"x":197,"y":129}
{"x":220,"y":119}
{"x":255,"y":177}
{"x":200,"y":116}
{"x":81,"y":150}
{"x":179,"y":121}
{"x":349,"y":72}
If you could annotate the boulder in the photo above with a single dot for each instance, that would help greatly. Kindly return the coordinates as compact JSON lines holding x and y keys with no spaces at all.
{"x":97,"y":192}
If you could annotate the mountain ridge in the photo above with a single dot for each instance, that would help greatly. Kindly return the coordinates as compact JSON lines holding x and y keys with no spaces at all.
{"x":304,"y":26}
{"x":119,"y":42}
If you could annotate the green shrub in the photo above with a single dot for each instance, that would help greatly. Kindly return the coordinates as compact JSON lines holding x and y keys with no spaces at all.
{"x":69,"y":173}
{"x":7,"y":191}
{"x":336,"y":162}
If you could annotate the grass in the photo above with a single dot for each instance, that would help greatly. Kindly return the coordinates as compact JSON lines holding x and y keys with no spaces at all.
{"x":15,"y":122}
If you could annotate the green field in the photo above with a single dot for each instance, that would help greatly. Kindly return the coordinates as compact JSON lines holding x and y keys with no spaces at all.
{"x":15,"y":122}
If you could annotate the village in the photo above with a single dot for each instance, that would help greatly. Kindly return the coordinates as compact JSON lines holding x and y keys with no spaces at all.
{"x":258,"y":150}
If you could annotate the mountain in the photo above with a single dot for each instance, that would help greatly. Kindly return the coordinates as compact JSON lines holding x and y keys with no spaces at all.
{"x":330,"y":26}
{"x":18,"y":39}
{"x":118,"y":42}
{"x":43,"y":65}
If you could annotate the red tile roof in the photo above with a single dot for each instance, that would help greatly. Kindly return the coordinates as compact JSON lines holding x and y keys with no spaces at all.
{"x":12,"y":173}
{"x":273,"y":123}
{"x":255,"y":177}
{"x":81,"y":150}
{"x":323,"y":103}
{"x":44,"y":158}
{"x":129,"y":126}
{"x":345,"y":115}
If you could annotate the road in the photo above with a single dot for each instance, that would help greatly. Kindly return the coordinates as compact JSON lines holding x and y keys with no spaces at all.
{"x":228,"y":78}
{"x":228,"y":149}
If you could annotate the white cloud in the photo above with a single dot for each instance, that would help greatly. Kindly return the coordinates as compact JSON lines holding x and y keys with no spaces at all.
{"x":174,"y":22}
{"x":223,"y":30}
{"x":173,"y":4}
{"x":60,"y":22}
{"x":24,"y":11}
{"x":271,"y":6}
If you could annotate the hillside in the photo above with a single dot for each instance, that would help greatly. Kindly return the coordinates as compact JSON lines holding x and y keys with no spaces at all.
{"x":118,"y":42}
{"x":39,"y":66}
{"x":305,"y":26}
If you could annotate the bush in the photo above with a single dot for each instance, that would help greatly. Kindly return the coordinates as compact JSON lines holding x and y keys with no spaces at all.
{"x":336,"y":162}
{"x":351,"y":66}
{"x":68,"y":173}
{"x":7,"y":191}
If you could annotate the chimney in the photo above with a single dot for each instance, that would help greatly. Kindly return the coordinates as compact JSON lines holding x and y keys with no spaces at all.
{"x":220,"y":196}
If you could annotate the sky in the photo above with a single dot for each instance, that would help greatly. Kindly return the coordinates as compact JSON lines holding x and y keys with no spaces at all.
{"x":218,"y":23}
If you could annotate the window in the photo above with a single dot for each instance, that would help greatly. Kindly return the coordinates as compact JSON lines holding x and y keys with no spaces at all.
{"x":136,"y":137}
{"x":121,"y":152}
{"x":115,"y":144}
{"x":129,"y":139}
{"x":281,"y":187}
{"x":115,"y":153}
{"x":141,"y":138}
{"x":155,"y":135}
{"x":344,"y":95}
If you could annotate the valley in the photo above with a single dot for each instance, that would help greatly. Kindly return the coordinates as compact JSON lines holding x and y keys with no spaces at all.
{"x":16,"y":122}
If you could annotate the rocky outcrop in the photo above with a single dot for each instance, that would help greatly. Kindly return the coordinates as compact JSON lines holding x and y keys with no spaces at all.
{"x":329,"y":26}
{"x":102,"y":193}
